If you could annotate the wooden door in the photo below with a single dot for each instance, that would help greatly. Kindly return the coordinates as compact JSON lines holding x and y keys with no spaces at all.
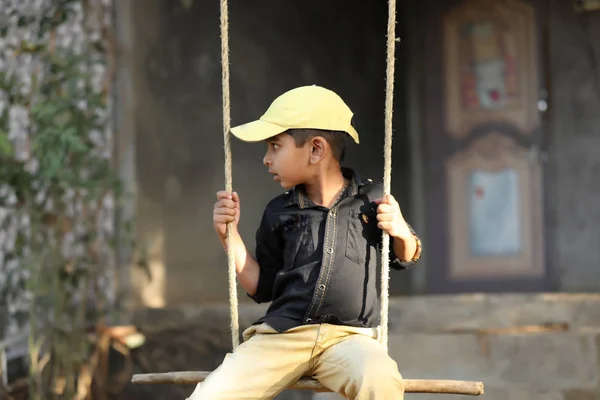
{"x":482,"y":85}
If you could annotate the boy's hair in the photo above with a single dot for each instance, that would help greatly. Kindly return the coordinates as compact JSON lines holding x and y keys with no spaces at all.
{"x":336,"y":140}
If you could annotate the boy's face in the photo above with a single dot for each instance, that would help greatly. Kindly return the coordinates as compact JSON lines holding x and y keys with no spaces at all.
{"x":289,"y":164}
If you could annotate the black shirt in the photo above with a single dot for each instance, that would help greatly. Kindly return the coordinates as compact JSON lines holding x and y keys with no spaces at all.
{"x":321,"y":265}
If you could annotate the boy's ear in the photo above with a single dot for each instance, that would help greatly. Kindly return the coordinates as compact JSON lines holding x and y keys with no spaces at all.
{"x":318,"y":147}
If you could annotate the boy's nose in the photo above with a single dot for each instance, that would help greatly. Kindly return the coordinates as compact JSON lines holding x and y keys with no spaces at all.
{"x":267,"y":160}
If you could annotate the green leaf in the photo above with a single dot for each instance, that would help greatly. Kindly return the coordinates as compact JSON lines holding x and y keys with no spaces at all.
{"x":6,"y":147}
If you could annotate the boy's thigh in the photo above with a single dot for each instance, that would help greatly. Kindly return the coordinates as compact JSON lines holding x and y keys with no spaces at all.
{"x":261,"y":367}
{"x":358,"y":359}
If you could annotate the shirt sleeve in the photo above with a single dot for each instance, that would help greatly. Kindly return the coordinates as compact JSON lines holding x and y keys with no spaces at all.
{"x":269,"y":255}
{"x":398,"y":264}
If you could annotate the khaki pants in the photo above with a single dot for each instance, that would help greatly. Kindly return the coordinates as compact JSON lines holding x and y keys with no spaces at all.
{"x":349,"y":361}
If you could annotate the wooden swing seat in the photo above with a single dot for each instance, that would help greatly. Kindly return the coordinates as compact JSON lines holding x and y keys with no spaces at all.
{"x":468,"y":388}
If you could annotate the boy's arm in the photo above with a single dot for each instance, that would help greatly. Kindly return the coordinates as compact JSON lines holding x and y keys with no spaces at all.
{"x":257,"y":275}
{"x":405,"y":250}
{"x":405,"y":245}
{"x":247,"y":267}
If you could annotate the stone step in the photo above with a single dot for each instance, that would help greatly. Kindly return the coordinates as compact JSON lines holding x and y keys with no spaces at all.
{"x":548,"y":362}
{"x":485,"y":311}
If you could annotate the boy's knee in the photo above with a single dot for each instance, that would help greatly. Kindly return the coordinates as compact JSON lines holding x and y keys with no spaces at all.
{"x":382,"y":378}
{"x":380,"y":373}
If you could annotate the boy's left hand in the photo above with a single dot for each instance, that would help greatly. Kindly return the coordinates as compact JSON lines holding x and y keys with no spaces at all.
{"x":390,"y":219}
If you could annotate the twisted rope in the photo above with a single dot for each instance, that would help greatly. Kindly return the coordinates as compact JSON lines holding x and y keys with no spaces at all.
{"x":387,"y":165}
{"x":233,"y":300}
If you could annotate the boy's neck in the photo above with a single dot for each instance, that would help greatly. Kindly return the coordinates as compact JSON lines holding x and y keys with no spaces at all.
{"x":326,"y":187}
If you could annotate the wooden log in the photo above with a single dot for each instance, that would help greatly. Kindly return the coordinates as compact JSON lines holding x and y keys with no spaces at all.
{"x":469,"y":388}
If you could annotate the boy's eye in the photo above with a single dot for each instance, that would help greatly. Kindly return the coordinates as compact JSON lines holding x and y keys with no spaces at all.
{"x":275,"y":146}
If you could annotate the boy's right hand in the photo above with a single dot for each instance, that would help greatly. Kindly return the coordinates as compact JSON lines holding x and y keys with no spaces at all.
{"x":227,"y":209}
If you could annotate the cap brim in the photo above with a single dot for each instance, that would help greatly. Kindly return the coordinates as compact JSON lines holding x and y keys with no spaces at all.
{"x":353,"y":134}
{"x":257,"y":131}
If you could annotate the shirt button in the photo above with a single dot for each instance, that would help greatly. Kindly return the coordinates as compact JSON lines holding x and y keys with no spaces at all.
{"x":308,"y":320}
{"x":321,"y":287}
{"x":329,"y":250}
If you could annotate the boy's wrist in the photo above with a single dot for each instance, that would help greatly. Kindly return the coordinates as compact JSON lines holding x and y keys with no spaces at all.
{"x":234,"y":236}
{"x":402,"y":232}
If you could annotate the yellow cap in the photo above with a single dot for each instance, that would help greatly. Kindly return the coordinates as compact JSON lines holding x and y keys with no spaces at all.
{"x":306,"y":107}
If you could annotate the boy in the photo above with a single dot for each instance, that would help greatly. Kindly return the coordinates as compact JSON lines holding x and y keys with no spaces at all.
{"x":317,"y":249}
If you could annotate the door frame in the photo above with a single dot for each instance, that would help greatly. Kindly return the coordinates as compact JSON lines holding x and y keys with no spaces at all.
{"x":430,"y":188}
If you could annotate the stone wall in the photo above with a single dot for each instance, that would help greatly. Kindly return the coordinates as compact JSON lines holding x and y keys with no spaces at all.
{"x":32,"y":41}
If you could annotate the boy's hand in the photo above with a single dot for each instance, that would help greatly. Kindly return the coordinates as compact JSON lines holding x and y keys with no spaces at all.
{"x":227,"y":209}
{"x":390,"y":218}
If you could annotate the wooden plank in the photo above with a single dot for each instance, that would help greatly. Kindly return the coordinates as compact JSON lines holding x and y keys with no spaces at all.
{"x":469,"y":388}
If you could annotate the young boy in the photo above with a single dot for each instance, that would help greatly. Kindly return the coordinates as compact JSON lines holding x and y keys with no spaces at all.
{"x":317,"y":249}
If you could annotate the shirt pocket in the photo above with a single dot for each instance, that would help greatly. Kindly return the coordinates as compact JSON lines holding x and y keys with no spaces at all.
{"x":356,"y":243}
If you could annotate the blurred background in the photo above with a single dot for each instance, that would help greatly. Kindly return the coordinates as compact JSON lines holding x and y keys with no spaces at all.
{"x":111,"y":151}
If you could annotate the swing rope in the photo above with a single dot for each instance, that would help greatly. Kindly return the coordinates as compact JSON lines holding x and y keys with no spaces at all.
{"x":233,"y":299}
{"x":410,"y":385}
{"x":387,"y":165}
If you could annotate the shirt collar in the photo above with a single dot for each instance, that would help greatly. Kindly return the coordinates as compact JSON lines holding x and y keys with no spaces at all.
{"x":300,"y":199}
